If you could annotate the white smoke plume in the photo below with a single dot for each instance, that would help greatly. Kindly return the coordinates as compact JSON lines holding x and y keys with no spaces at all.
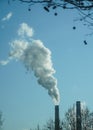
{"x":25,"y":30}
{"x":7,"y":17}
{"x":37,"y":58}
{"x":4,"y":62}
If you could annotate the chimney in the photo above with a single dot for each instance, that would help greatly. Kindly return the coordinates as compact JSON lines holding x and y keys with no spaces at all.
{"x":56,"y":117}
{"x":78,"y":115}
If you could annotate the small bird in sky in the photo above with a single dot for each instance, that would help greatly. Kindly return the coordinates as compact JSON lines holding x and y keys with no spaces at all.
{"x":74,"y":27}
{"x":85,"y":42}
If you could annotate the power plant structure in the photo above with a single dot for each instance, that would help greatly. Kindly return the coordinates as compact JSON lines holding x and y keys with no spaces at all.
{"x":57,"y":120}
{"x":78,"y":116}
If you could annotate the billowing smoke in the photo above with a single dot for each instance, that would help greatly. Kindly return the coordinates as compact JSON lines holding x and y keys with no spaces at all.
{"x":35,"y":57}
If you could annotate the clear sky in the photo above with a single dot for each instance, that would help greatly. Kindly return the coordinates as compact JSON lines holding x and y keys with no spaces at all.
{"x":23,"y":101}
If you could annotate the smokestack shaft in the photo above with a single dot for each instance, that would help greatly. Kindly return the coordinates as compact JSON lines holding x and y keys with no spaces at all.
{"x":56,"y":117}
{"x":78,"y":115}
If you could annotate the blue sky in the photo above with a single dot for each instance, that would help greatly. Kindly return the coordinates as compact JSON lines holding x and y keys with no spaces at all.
{"x":23,"y":101}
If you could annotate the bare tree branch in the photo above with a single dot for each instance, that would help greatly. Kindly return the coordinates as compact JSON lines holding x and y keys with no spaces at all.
{"x":84,"y":7}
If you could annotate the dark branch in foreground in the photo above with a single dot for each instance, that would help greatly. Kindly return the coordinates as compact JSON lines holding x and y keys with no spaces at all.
{"x":82,"y":4}
{"x":84,"y":7}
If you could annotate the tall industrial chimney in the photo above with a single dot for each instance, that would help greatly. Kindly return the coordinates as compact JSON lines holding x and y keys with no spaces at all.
{"x":56,"y":117}
{"x":78,"y":115}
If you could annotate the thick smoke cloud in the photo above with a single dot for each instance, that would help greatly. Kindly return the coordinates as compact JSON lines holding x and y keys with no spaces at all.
{"x":35,"y":57}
